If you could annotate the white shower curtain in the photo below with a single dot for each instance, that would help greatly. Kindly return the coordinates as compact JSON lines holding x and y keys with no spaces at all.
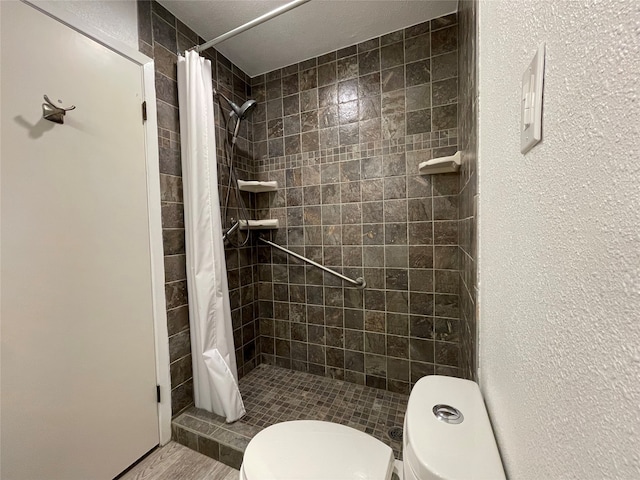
{"x":215,"y":375}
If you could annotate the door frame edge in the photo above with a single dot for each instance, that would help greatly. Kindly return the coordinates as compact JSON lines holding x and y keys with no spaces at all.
{"x":163,"y":374}
{"x":152,"y":161}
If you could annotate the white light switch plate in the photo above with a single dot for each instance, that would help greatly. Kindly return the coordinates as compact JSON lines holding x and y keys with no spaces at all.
{"x":531,"y":102}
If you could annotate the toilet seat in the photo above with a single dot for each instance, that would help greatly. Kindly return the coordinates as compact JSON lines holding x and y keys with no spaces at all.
{"x":314,"y":450}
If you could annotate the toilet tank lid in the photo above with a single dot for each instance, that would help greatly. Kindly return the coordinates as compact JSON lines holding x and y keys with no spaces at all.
{"x":315,"y":450}
{"x":441,"y":450}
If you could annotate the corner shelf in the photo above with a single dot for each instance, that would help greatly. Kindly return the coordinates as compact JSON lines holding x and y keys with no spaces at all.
{"x":269,"y":224}
{"x":257,"y":187}
{"x":440,"y":165}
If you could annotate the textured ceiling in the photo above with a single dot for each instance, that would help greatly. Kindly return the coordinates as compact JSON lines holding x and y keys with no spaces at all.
{"x":312,"y":29}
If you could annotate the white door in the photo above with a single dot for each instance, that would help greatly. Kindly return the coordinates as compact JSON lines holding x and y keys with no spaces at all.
{"x":77,"y":358}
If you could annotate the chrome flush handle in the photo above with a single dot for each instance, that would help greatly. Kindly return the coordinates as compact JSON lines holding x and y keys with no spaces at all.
{"x":53,"y":113}
{"x":448,"y":414}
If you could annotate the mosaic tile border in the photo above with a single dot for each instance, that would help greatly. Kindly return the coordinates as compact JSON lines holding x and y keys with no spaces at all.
{"x":411,"y":143}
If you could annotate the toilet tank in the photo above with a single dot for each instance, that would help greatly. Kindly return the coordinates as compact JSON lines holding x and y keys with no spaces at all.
{"x":447,"y":433}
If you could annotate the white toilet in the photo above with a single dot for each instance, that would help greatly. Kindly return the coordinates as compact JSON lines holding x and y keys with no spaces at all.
{"x":447,"y":436}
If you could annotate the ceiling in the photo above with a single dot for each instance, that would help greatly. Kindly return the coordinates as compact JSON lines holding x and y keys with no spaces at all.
{"x":314,"y":28}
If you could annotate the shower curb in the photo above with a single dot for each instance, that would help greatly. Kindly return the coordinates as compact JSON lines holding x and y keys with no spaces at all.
{"x":210,"y":435}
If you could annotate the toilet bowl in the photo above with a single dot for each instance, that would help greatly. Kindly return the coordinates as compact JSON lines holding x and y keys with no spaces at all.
{"x":447,"y":436}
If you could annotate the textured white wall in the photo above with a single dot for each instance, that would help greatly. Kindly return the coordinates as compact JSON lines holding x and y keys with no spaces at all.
{"x":116,"y":18}
{"x":559,"y":239}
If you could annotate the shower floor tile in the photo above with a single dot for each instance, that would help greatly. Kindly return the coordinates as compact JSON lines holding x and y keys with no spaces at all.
{"x":273,"y":394}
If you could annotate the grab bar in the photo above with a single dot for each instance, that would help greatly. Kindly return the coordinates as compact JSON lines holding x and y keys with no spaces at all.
{"x":358,"y":282}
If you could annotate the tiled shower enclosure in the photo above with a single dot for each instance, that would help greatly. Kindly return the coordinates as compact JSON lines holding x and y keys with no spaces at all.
{"x":343,"y":135}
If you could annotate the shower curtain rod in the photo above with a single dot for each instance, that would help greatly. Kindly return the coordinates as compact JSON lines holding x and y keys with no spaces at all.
{"x":358,"y":282}
{"x":253,"y":23}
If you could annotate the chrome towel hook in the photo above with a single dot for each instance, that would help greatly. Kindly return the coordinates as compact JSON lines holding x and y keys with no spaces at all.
{"x":52,"y":112}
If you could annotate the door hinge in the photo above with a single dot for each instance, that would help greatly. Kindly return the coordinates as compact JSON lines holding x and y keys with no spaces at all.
{"x":158,"y":393}
{"x":144,"y":111}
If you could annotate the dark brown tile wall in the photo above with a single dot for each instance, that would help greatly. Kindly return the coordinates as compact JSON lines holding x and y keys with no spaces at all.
{"x":343,"y":134}
{"x":161,"y":37}
{"x":468,"y":138}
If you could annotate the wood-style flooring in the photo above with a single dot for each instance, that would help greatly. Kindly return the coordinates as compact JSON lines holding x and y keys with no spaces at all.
{"x":177,"y":462}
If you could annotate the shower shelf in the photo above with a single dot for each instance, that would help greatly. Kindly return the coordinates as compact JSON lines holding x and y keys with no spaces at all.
{"x":257,"y":187}
{"x":440,"y":165}
{"x":270,"y":224}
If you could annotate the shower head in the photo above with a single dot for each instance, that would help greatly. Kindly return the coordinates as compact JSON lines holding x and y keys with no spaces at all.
{"x":243,"y":111}
{"x":240,"y":112}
